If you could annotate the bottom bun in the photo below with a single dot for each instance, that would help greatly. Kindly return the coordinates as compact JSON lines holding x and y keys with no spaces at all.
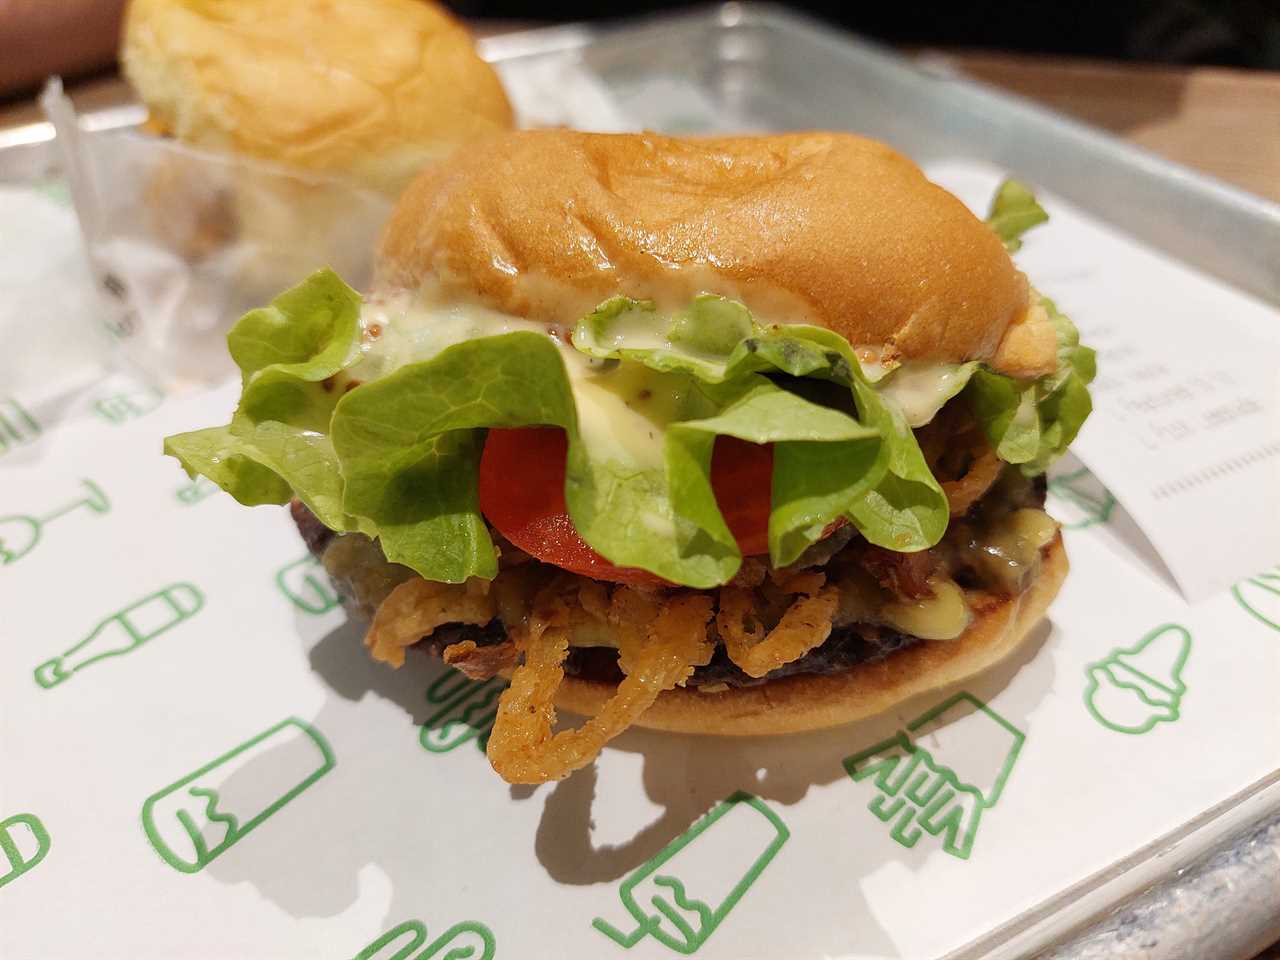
{"x":812,"y":702}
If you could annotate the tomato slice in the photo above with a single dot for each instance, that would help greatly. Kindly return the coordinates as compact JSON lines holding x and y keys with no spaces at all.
{"x":522,"y":494}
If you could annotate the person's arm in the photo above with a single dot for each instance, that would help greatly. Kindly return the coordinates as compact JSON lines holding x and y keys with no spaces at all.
{"x":39,"y":38}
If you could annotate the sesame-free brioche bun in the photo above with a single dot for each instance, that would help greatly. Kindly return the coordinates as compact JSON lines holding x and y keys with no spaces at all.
{"x":812,"y":702}
{"x":368,"y":89}
{"x":822,"y":228}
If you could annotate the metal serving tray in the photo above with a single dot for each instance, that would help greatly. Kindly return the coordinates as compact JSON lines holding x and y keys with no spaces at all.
{"x":1212,"y":887}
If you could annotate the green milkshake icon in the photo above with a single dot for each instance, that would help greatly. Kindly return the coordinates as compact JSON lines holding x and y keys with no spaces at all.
{"x":19,"y":533}
{"x":307,"y":586}
{"x":1260,"y":597}
{"x":128,"y":404}
{"x":124,"y":631}
{"x":684,"y":893}
{"x":467,"y":709}
{"x":463,"y":941}
{"x":196,"y":490}
{"x":945,"y":788}
{"x":17,"y":426}
{"x":23,"y":844}
{"x":1134,"y":688}
{"x":1080,"y":500}
{"x":195,"y":820}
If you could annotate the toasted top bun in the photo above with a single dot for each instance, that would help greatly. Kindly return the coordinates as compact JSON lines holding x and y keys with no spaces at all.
{"x":371,"y":89}
{"x":822,"y":228}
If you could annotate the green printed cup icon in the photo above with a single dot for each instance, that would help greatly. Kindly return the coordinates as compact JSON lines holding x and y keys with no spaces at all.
{"x":943,"y":789}
{"x":1134,"y":688}
{"x":195,"y":820}
{"x":19,"y":533}
{"x":196,"y":490}
{"x":1260,"y":597}
{"x":23,"y":844}
{"x":463,"y":941}
{"x":17,"y":426}
{"x":1080,"y":500}
{"x":124,"y":631}
{"x":307,"y":586}
{"x":466,"y":711}
{"x":681,"y":896}
{"x":128,"y":404}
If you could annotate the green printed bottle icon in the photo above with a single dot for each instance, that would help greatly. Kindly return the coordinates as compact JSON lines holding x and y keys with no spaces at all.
{"x":943,"y":789}
{"x":463,"y":941}
{"x":196,"y":490}
{"x":195,"y":820}
{"x":684,"y":893}
{"x":1260,"y":597}
{"x":128,"y":404}
{"x":19,"y":533}
{"x":17,"y":426}
{"x":124,"y":631}
{"x":1080,"y":500}
{"x":307,"y":586}
{"x":1134,"y":688}
{"x":466,"y":711}
{"x":23,"y":844}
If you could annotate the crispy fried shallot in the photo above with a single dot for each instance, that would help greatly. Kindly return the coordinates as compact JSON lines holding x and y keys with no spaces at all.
{"x":657,"y":650}
{"x":804,"y":625}
{"x":416,"y":607}
{"x":477,"y":662}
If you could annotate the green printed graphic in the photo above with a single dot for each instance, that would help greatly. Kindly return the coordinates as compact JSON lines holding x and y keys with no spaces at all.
{"x":467,"y":709}
{"x":196,"y":490}
{"x":1260,"y":597}
{"x":17,"y":426}
{"x":468,"y":940}
{"x":307,"y":586}
{"x":719,"y":869}
{"x":23,"y":844}
{"x":128,"y":404}
{"x":124,"y":631}
{"x":921,"y":791}
{"x":1081,"y":500}
{"x":1134,"y":688}
{"x":195,"y":820}
{"x":19,"y":533}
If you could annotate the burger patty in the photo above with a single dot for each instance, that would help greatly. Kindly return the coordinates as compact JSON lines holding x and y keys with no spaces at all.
{"x":904,"y":576}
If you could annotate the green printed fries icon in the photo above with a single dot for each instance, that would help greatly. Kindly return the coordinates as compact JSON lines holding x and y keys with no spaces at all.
{"x":465,"y":941}
{"x":467,"y":709}
{"x":128,"y":405}
{"x":1134,"y":688}
{"x":124,"y":631}
{"x":20,"y":533}
{"x":23,"y":844}
{"x":305,"y":584}
{"x":1081,"y":500}
{"x":919,"y":793}
{"x":195,"y":820}
{"x":17,"y":427}
{"x":1260,"y":597}
{"x":670,"y":898}
{"x":196,"y":490}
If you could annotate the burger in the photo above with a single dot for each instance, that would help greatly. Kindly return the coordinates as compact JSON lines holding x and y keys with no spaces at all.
{"x":733,"y":436}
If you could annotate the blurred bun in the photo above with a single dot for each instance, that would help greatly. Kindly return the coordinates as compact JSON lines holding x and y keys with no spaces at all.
{"x":824,"y":228}
{"x":367,"y":89}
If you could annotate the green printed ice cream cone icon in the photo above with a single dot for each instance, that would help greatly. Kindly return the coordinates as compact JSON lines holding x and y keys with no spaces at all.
{"x":942,"y":789}
{"x":684,"y":893}
{"x":23,"y":844}
{"x":466,"y":711}
{"x":1260,"y":597}
{"x":19,"y":533}
{"x":17,"y":426}
{"x":1134,"y":688}
{"x":128,"y":404}
{"x":307,"y":586}
{"x":195,"y":820}
{"x":1080,"y":500}
{"x":124,"y":631}
{"x":195,"y":490}
{"x":463,"y":941}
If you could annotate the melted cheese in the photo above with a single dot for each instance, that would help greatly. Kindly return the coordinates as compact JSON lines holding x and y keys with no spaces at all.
{"x":920,"y":390}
